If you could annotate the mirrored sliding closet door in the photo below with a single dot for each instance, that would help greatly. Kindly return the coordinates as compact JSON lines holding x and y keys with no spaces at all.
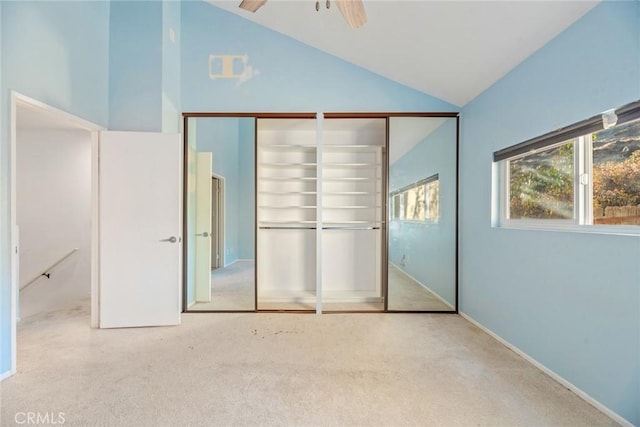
{"x":219,"y":214}
{"x":422,"y":214}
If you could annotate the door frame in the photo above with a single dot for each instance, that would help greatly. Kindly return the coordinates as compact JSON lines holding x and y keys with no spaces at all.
{"x":19,"y":100}
{"x":221,"y":219}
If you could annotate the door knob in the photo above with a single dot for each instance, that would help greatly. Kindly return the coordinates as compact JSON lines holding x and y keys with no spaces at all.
{"x":172,"y":239}
{"x":205,"y":234}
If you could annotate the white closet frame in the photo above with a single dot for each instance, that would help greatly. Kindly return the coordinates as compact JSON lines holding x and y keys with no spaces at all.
{"x":384,"y":240}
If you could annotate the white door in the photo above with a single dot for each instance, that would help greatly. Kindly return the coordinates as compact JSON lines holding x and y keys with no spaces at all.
{"x":140,"y":229}
{"x":204,"y":162}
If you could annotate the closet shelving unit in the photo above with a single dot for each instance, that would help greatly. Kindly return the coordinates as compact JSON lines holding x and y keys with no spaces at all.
{"x":287,"y":192}
{"x":319,"y":212}
{"x":352,"y":211}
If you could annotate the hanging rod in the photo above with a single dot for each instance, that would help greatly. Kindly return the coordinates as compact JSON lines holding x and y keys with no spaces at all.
{"x":351,"y":228}
{"x":47,"y":272}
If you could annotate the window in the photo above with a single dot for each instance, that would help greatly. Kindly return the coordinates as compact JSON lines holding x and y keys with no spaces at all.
{"x":616,"y":175}
{"x":541,"y":184}
{"x":417,"y":202}
{"x":579,"y":175}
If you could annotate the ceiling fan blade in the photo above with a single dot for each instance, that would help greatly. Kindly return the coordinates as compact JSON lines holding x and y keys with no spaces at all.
{"x":252,"y":5}
{"x":353,"y":12}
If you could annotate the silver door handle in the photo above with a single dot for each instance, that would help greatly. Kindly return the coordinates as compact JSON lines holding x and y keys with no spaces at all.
{"x":172,"y":239}
{"x":205,"y":234}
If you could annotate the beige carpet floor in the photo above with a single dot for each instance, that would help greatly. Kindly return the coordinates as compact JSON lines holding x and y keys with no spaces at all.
{"x":232,"y":289}
{"x":281,"y":370}
{"x":407,"y":294}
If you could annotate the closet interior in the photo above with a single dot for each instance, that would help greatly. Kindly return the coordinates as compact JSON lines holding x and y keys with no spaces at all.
{"x":321,"y":213}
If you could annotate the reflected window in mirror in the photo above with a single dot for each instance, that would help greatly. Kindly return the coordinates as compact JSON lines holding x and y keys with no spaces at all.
{"x":418,"y":202}
{"x":422,"y":212}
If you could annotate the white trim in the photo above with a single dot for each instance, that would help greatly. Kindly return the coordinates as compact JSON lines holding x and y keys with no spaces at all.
{"x":243,"y":260}
{"x":95,"y":229}
{"x":580,"y":393}
{"x":319,"y":205}
{"x":222,"y":186}
{"x":230,"y":264}
{"x":424,"y":286}
{"x":238,"y":260}
{"x":25,"y":101}
{"x":614,"y":230}
{"x":13,"y":235}
{"x":17,"y":99}
{"x":7,"y":374}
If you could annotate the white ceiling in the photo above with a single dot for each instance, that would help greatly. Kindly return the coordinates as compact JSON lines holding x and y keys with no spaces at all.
{"x":406,"y":132}
{"x":452,"y":50}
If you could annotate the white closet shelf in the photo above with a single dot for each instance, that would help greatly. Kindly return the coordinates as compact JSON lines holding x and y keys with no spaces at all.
{"x":288,"y":146}
{"x":288,"y":178}
{"x":275,"y":224}
{"x":282,"y":193}
{"x":348,"y":178}
{"x":288,"y":207}
{"x":349,"y":193}
{"x":287,"y":164}
{"x":371,"y":223}
{"x":350,"y":146}
{"x":362,"y":165}
{"x":351,"y":207}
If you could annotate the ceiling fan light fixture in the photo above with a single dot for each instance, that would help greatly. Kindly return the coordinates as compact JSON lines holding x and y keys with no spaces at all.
{"x":252,"y":5}
{"x":352,"y":12}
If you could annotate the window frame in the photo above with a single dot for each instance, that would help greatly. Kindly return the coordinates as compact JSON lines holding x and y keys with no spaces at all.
{"x":580,"y":189}
{"x":582,"y":220}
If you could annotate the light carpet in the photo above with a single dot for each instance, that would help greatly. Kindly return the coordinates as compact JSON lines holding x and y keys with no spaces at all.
{"x":282,"y":370}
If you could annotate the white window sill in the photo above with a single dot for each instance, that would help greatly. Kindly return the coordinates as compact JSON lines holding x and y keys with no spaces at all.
{"x":618,"y":230}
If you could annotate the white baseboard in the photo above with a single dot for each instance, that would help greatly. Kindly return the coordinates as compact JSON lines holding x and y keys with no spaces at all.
{"x":445,"y":302}
{"x":6,"y":375}
{"x":237,"y":260}
{"x":602,"y":408}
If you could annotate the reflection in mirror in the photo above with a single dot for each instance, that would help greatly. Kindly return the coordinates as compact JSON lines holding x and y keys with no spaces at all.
{"x":422,"y":213}
{"x":220,"y":215}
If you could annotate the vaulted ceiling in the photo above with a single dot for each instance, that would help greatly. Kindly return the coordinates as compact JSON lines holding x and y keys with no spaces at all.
{"x":453,"y":50}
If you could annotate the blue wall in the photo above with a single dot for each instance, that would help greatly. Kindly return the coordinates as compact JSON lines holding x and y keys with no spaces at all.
{"x":56,"y":52}
{"x":220,"y":137}
{"x":569,"y":300}
{"x":135,"y":66}
{"x":292,"y":76}
{"x":430,"y":248}
{"x":144,"y":66}
{"x":171,"y":105}
{"x":231,"y":140}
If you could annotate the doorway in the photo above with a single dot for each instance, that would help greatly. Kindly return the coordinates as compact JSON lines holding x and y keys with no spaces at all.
{"x":54,"y":233}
